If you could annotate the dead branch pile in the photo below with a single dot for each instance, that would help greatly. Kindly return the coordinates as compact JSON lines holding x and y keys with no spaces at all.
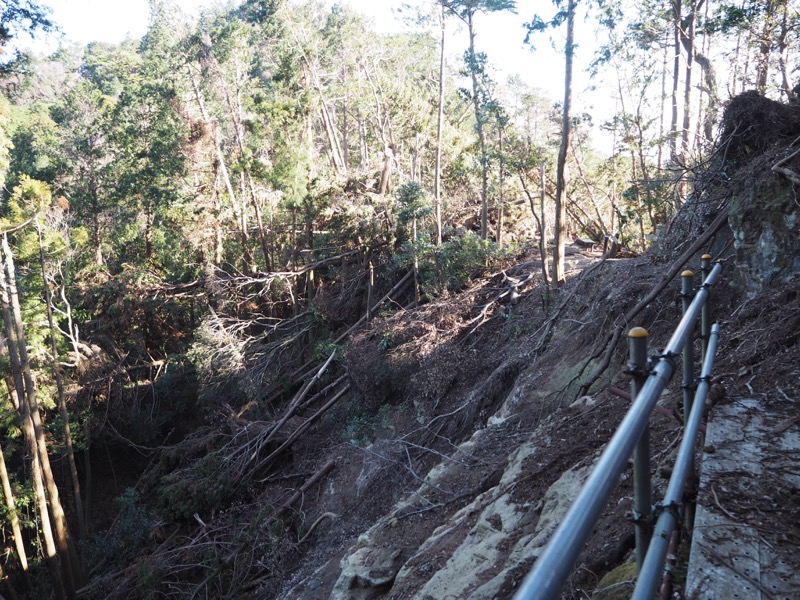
{"x":242,"y":553}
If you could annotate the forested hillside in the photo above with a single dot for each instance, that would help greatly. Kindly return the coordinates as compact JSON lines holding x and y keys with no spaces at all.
{"x":266,"y":267}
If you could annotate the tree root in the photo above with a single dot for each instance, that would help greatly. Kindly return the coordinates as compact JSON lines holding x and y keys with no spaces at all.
{"x":315,"y":524}
{"x":788,"y":173}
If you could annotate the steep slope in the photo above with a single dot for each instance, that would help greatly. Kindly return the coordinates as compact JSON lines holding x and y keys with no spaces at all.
{"x":474,"y":525}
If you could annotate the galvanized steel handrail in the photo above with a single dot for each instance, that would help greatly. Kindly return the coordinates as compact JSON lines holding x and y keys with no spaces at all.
{"x":556,"y":562}
{"x":652,"y":571}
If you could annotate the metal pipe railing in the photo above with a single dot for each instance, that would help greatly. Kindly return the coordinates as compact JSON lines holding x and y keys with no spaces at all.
{"x":705,"y":314}
{"x":556,"y":562}
{"x":652,"y":572}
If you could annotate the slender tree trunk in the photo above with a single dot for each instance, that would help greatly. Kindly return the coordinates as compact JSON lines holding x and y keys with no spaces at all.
{"x":501,"y":198}
{"x":479,"y":122}
{"x":40,"y":497}
{"x":543,"y":225}
{"x":561,"y":168}
{"x":345,"y":132}
{"x":310,"y":284}
{"x":363,"y":148}
{"x":69,"y":563}
{"x":676,"y":71}
{"x":98,"y":235}
{"x":16,"y":531}
{"x":764,"y":48}
{"x":703,"y":110}
{"x":370,"y":288}
{"x":384,"y":130}
{"x":238,"y":212}
{"x":222,"y":169}
{"x":62,"y":403}
{"x":328,"y":125}
{"x":662,"y":106}
{"x":539,"y":224}
{"x":600,"y":223}
{"x":386,"y":173}
{"x":783,"y":55}
{"x":437,"y":177}
{"x":330,"y":131}
{"x":746,"y":70}
{"x":218,"y":242}
{"x":235,"y":111}
{"x":87,"y":476}
{"x":735,"y":65}
{"x":687,"y":85}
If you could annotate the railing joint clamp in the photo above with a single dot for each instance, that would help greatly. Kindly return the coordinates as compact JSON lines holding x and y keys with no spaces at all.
{"x":668,"y":356}
{"x":705,"y":285}
{"x":641,"y":519}
{"x":673,"y":507}
{"x":637,"y":371}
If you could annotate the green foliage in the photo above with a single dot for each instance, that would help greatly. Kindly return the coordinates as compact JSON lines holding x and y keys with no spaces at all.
{"x":115,"y":548}
{"x":259,"y":11}
{"x":359,"y":424}
{"x":191,"y":477}
{"x":357,"y":429}
{"x":5,"y":142}
{"x":386,"y":340}
{"x":203,"y":486}
{"x":733,"y":17}
{"x":465,"y":9}
{"x":323,"y":349}
{"x":449,"y":267}
{"x":218,"y":354}
{"x":28,"y":198}
{"x":24,"y":502}
{"x":34,"y":137}
{"x":414,"y":202}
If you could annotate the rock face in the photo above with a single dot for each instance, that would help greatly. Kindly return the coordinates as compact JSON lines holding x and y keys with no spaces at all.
{"x":761,"y":168}
{"x":485,"y":553}
{"x":765,"y":221}
{"x":483,"y":548}
{"x":367,"y":573}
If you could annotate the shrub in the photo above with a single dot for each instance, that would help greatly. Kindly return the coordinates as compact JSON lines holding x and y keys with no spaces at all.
{"x":130,"y":533}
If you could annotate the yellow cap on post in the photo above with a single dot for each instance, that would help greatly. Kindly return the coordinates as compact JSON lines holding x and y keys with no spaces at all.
{"x":706,"y":257}
{"x":638,"y":332}
{"x":687,"y":273}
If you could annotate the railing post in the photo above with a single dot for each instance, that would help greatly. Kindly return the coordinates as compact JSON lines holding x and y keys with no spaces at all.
{"x":687,"y":289}
{"x":705,"y":318}
{"x":642,"y":503}
{"x":651,"y":574}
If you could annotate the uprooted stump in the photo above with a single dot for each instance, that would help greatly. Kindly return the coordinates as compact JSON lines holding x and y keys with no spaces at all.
{"x":752,"y":124}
